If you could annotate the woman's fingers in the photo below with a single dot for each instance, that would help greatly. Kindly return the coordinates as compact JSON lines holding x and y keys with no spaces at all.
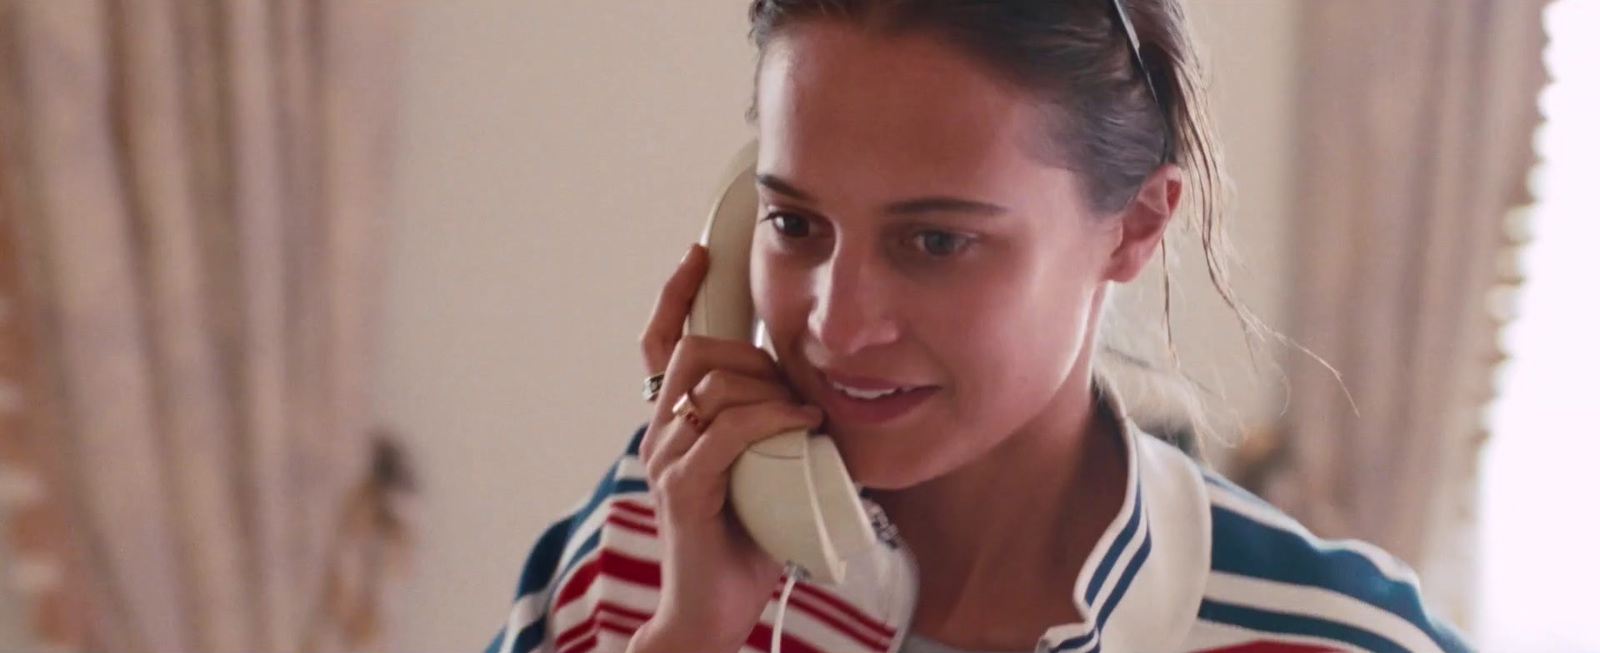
{"x":710,"y":458}
{"x":672,"y":306}
{"x":717,"y":391}
{"x":696,"y":356}
{"x":692,"y":360}
{"x":724,"y":388}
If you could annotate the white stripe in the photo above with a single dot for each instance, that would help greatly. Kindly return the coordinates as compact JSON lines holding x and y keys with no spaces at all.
{"x":817,"y":633}
{"x":633,"y":519}
{"x":818,"y":605}
{"x":614,"y":590}
{"x":632,"y":543}
{"x":1055,"y":635}
{"x":528,"y":607}
{"x":1118,"y":570}
{"x":645,"y":599}
{"x":1209,"y":635}
{"x":595,"y":519}
{"x":1255,"y":510}
{"x":630,"y":468}
{"x":523,"y":613}
{"x":1120,"y":567}
{"x":607,"y":640}
{"x":1320,"y":603}
{"x":1260,"y":513}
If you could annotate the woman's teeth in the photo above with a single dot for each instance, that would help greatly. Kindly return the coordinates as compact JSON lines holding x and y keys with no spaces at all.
{"x":855,"y":393}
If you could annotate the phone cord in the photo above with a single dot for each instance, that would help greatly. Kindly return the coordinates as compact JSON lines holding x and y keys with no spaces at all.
{"x":793,"y":572}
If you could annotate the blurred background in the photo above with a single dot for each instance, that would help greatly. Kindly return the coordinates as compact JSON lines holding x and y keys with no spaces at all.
{"x":314,"y":313}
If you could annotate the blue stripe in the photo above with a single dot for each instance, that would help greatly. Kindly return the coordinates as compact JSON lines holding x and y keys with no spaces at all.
{"x":1075,"y":642}
{"x":635,"y":441}
{"x":1117,"y":546}
{"x":1250,"y":548}
{"x":541,"y":564}
{"x":1117,"y":591}
{"x":1295,"y":624}
{"x":534,"y":633}
{"x":609,"y":487}
{"x":529,"y":638}
{"x":1127,"y":579}
{"x":592,"y":542}
{"x":499,"y":638}
{"x":588,"y":546}
{"x":541,"y":568}
{"x":1103,"y":614}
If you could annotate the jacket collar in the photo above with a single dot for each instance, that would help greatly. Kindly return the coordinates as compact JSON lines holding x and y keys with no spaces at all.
{"x":1140,"y":588}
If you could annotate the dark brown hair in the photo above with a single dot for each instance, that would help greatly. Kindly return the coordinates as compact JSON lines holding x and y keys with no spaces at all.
{"x":1107,"y":120}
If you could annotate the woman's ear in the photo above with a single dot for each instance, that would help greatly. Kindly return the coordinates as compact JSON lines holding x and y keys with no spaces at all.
{"x":1144,"y":222}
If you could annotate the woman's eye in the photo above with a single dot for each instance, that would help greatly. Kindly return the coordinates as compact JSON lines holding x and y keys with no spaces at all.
{"x":941,"y":243}
{"x":790,"y":225}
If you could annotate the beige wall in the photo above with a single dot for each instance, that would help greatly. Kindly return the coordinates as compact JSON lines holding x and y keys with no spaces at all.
{"x":556,"y":158}
{"x":1252,"y":54}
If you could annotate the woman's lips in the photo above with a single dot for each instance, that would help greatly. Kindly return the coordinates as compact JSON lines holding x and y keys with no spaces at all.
{"x":851,"y":400}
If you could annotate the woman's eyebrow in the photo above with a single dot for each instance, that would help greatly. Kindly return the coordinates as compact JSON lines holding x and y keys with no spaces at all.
{"x":778,"y":185}
{"x":941,"y":204}
{"x":920,"y":205}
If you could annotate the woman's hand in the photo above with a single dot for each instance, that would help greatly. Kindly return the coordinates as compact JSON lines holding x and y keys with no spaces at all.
{"x":715,"y":579}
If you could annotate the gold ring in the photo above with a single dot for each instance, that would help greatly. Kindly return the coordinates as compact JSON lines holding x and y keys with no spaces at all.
{"x":690,"y":413}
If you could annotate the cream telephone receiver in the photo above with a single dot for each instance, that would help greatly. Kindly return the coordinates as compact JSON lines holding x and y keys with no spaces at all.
{"x":790,"y":491}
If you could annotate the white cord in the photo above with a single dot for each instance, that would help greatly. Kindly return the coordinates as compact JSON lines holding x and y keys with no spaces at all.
{"x":793,"y":571}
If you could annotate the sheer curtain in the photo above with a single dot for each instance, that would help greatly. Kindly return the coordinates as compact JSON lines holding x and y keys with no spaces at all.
{"x":1414,"y":144}
{"x":1538,"y":470}
{"x":194,"y":194}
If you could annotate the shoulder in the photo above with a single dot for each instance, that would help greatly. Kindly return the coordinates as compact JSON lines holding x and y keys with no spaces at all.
{"x":1273,"y":581}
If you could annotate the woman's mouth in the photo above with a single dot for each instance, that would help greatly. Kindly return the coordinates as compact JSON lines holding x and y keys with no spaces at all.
{"x":860,"y":401}
{"x":869,"y":394}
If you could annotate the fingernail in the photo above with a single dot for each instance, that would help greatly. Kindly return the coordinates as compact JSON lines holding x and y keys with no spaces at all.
{"x":689,"y":253}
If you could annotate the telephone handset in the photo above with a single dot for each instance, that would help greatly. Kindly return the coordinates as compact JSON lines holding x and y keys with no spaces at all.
{"x":791,"y":491}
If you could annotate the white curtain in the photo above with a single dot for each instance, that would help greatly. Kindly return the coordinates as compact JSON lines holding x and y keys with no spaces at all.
{"x":194,"y":192}
{"x":1415,"y":143}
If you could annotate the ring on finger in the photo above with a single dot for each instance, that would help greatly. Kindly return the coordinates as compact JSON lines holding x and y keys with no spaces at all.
{"x":686,"y":410}
{"x":652,"y":387}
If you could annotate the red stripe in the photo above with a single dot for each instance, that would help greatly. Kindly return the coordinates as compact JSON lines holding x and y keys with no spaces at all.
{"x":648,"y":573}
{"x":610,"y":563}
{"x":634,"y":508}
{"x":872,"y":625}
{"x":823,"y":596}
{"x":609,"y":616}
{"x":813,"y":601}
{"x":631,"y":524}
{"x":1273,"y":647}
{"x":761,"y":639}
{"x":581,"y":646}
{"x":806,"y":604}
{"x":625,"y":630}
{"x":622,"y":611}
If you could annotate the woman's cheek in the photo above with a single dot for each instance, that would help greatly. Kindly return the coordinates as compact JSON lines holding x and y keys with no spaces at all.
{"x":778,"y":291}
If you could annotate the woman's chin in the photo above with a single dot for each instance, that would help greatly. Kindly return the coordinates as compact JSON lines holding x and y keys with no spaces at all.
{"x":875,"y":465}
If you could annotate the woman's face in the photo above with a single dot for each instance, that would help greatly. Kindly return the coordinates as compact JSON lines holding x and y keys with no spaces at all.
{"x":911,"y":245}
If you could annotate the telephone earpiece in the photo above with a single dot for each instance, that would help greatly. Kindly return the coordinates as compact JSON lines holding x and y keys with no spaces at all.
{"x":791,"y":491}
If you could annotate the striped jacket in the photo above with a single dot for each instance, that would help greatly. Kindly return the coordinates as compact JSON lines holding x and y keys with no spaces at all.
{"x":1191,"y":564}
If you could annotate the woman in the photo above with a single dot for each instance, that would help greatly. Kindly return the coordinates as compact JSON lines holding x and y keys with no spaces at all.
{"x":949,"y":188}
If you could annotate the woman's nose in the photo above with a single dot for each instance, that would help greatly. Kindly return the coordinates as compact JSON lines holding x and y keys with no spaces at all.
{"x":852,"y":310}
